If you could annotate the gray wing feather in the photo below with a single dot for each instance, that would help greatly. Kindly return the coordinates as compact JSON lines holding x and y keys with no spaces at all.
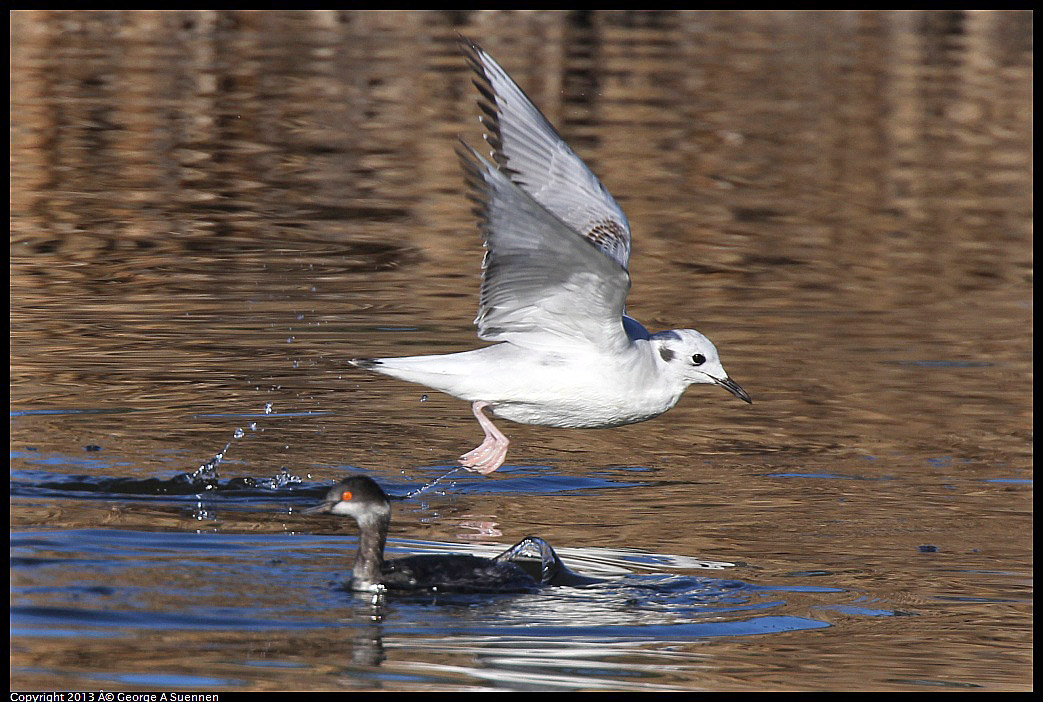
{"x":535,"y":157}
{"x":543,"y":284}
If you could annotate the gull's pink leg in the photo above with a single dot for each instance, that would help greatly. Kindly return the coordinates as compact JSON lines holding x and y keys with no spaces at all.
{"x":491,"y":453}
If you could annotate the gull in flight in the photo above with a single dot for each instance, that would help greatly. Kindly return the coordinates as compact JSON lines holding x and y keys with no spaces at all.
{"x":553,"y":291}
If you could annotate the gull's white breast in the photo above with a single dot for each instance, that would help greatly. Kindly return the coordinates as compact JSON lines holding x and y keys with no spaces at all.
{"x":565,"y":388}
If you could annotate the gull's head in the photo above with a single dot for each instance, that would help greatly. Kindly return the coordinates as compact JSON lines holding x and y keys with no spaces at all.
{"x":691,"y":358}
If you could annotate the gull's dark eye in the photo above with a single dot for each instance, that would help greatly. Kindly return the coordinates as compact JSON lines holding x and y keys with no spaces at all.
{"x":698,"y":359}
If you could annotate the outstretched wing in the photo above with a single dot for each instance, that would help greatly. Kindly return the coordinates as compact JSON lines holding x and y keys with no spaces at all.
{"x":543,"y":284}
{"x":536,"y":557}
{"x":535,"y":157}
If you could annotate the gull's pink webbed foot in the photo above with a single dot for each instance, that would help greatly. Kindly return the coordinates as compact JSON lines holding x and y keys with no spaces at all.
{"x":492,"y":452}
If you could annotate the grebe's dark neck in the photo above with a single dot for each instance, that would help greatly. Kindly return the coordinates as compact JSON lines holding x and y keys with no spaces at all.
{"x":373,"y":531}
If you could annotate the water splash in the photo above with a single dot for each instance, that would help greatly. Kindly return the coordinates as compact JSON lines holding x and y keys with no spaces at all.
{"x":206,"y":477}
{"x":282,"y":479}
{"x":422,"y":488}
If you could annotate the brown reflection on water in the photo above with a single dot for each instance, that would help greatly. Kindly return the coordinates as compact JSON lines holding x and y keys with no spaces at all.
{"x":212,"y":210}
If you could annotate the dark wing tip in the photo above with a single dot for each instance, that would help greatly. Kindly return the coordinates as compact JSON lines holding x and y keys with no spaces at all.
{"x":365,"y":362}
{"x":467,"y":45}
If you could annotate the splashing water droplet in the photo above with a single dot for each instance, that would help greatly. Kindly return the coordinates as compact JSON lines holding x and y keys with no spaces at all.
{"x":267,"y":407}
{"x":239,"y":433}
{"x":431,"y":484}
{"x":423,"y":398}
{"x":282,"y":479}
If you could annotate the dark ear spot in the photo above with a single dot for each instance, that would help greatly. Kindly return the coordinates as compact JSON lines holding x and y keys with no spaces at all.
{"x":666,"y":353}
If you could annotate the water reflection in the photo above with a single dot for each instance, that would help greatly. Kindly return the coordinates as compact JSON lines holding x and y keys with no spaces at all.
{"x":283,"y":584}
{"x":72,"y":584}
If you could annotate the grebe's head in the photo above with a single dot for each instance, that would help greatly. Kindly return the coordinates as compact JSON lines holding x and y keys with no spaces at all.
{"x":358,"y":497}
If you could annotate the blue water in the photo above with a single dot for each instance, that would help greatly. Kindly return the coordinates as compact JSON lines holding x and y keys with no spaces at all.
{"x":243,"y":563}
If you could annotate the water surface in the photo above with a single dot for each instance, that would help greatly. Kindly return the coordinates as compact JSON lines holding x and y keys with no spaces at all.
{"x":211,"y":212}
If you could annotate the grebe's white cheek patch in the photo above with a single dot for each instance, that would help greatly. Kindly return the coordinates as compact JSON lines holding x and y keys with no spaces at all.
{"x":344,"y":508}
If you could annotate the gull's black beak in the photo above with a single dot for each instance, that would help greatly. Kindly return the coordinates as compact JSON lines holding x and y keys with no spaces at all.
{"x":733,"y":387}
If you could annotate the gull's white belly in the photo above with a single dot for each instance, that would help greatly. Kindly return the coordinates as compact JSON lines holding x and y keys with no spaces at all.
{"x":578,"y":399}
{"x":573,"y":415}
{"x":547,"y":389}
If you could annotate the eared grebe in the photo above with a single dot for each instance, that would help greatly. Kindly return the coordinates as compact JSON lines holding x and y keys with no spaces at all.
{"x":526,"y":566}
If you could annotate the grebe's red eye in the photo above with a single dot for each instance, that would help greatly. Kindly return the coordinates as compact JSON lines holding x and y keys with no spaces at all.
{"x":346,"y":496}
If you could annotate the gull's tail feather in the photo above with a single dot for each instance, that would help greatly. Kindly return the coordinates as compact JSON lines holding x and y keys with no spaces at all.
{"x":455,"y":374}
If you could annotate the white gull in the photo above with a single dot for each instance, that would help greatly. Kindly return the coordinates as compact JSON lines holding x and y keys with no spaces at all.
{"x":553,"y":292}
